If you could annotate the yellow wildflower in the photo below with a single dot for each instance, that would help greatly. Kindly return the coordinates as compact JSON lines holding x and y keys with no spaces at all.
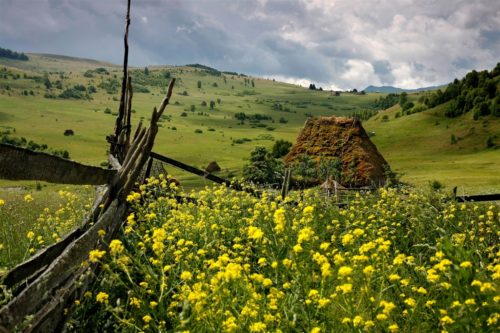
{"x":255,"y":233}
{"x":466,"y":264}
{"x":186,"y":275}
{"x":102,"y":297}
{"x":393,"y":328}
{"x":258,"y":327}
{"x":95,"y":255}
{"x":305,"y":235}
{"x":345,"y":271}
{"x":446,"y":320}
{"x":116,"y":247}
{"x":279,"y":220}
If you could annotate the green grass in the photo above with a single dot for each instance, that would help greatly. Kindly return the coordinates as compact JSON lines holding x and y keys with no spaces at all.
{"x":419,"y":146}
{"x":44,"y":120}
{"x":48,"y":213}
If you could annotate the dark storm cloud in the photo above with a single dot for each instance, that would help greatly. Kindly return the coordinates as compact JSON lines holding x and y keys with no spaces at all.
{"x":335,"y":43}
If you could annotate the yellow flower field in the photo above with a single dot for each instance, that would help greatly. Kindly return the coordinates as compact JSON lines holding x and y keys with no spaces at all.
{"x":392,"y":261}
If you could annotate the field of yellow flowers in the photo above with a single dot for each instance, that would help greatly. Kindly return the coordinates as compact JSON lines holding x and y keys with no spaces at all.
{"x":391,"y":261}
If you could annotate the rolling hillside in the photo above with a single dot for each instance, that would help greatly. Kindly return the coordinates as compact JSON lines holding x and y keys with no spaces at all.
{"x":246,"y":112}
{"x":224,"y":137}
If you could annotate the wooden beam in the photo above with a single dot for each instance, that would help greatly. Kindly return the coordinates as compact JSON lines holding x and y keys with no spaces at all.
{"x":190,"y":169}
{"x":209,"y":176}
{"x":479,"y":198}
{"x":23,"y":164}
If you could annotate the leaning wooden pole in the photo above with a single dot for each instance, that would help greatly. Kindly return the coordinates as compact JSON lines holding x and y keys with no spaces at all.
{"x":115,"y":147}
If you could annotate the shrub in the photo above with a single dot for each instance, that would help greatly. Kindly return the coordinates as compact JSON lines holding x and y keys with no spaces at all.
{"x":199,"y":131}
{"x":281,"y":148}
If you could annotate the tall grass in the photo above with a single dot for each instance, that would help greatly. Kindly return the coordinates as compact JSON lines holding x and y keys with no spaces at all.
{"x":31,"y":220}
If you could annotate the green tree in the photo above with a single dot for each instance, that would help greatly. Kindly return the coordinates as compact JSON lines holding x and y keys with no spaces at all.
{"x":199,"y":84}
{"x":281,"y":148}
{"x":305,"y":168}
{"x":262,"y":168}
{"x":146,"y":71}
{"x":330,"y":166}
{"x":47,"y":83}
{"x":212,"y":105}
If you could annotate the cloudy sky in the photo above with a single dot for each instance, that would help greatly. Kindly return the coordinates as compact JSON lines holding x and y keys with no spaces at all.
{"x":341,"y":44}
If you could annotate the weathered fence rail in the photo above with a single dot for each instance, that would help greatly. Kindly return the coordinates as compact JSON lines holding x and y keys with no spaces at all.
{"x":53,"y":169}
{"x":201,"y":173}
{"x":478,"y":197}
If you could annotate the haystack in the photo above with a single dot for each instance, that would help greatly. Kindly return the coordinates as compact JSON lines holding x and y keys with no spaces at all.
{"x":346,"y":139}
{"x":213,"y":167}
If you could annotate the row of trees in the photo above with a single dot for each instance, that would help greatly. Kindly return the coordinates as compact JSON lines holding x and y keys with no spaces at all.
{"x":386,"y":102}
{"x":6,"y":53}
{"x":477,"y":92}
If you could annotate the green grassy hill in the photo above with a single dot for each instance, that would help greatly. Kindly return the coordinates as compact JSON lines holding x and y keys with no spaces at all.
{"x":45,"y":119}
{"x":420,"y":147}
{"x":416,"y":145}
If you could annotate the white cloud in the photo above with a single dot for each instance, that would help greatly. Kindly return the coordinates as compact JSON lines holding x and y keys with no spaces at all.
{"x":342,"y":43}
{"x":360,"y":73}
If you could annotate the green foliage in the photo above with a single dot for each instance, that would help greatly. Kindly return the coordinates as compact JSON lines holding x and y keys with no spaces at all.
{"x":363,"y":114}
{"x":490,"y":143}
{"x":476,"y":92}
{"x":304,"y":168}
{"x":281,"y":148}
{"x":263,"y":168}
{"x":76,"y":92}
{"x":110,"y":85}
{"x":436,"y":185}
{"x":206,"y":69}
{"x":9,"y":54}
{"x":386,"y":102}
{"x":330,"y":167}
{"x":139,"y":88}
{"x":253,"y":118}
{"x":47,"y":83}
{"x":32,"y":145}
